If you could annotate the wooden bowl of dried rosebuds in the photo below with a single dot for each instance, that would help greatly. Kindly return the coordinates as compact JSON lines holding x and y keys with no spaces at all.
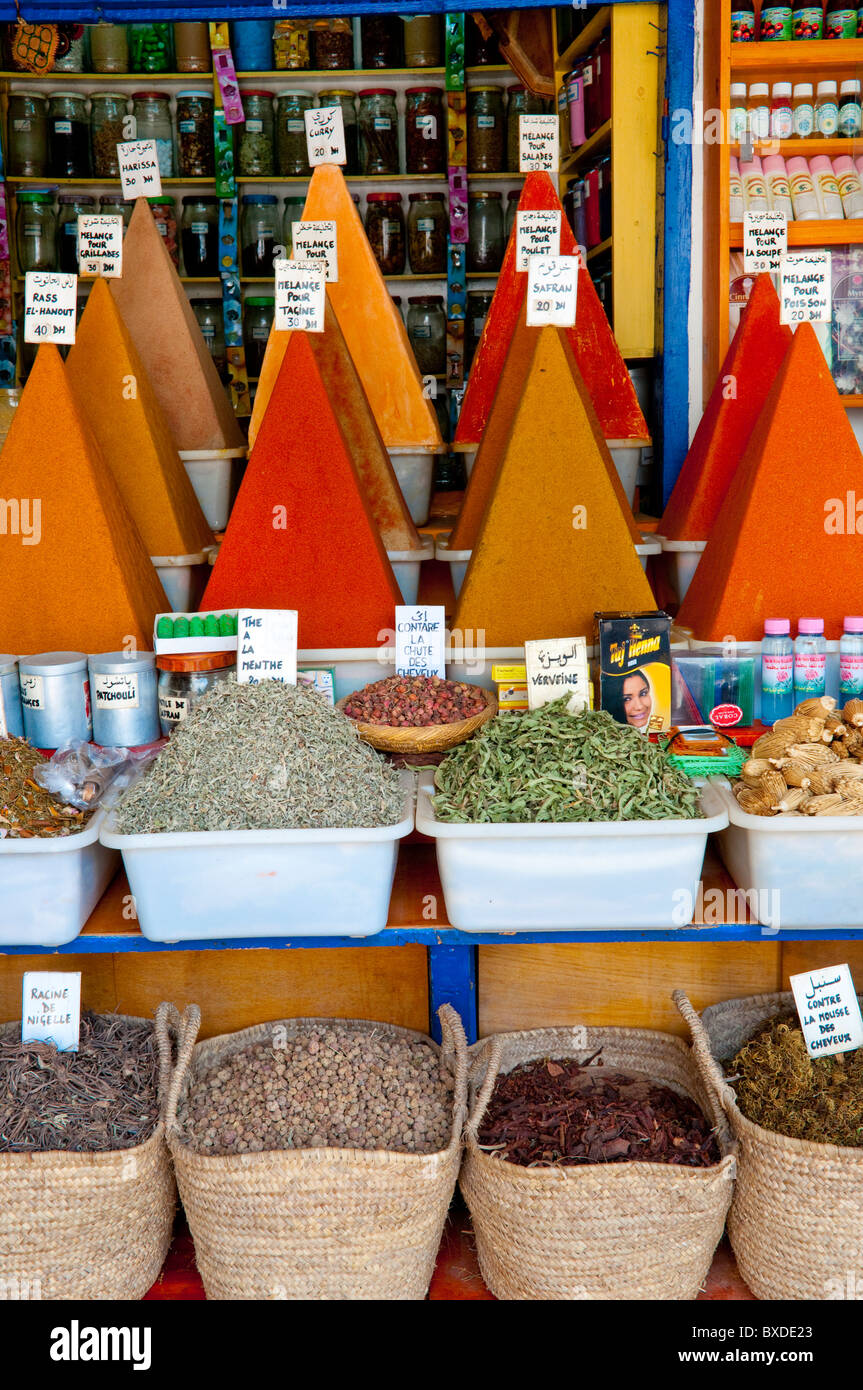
{"x":418,"y":714}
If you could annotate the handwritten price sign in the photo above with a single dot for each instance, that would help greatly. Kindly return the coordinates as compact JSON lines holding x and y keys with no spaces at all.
{"x":139,"y":169}
{"x":552,"y":285}
{"x":300,"y":296}
{"x":325,"y":135}
{"x":50,"y":305}
{"x":829,"y":1012}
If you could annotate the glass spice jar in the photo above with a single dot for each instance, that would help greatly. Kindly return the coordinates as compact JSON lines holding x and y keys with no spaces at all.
{"x":107,"y":116}
{"x":165,"y":218}
{"x":27,"y":150}
{"x":152,"y":47}
{"x":478,"y":305}
{"x":381,"y":41}
{"x":379,"y":133}
{"x":192,"y":47}
{"x":385,"y":229}
{"x":423,"y":40}
{"x":258,"y":313}
{"x":259,"y":232}
{"x":511,"y":209}
{"x":293,"y":212}
{"x":521,"y":103}
{"x":332,"y":44}
{"x":195,"y":134}
{"x":68,"y":136}
{"x":486,"y":243}
{"x":425,"y":131}
{"x":115,"y":205}
{"x":291,"y":44}
{"x":185,"y":680}
{"x":109,"y":48}
{"x":255,"y":157}
{"x":71,"y":48}
{"x":208,"y":312}
{"x":345,"y":99}
{"x":428,"y":226}
{"x":291,"y":152}
{"x":152,"y":112}
{"x":485,"y":130}
{"x":36,"y":232}
{"x":69,"y":207}
{"x":199,"y":236}
{"x":427,"y":333}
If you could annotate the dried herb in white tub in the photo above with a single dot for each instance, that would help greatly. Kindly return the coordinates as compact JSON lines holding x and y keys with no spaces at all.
{"x":263,"y":757}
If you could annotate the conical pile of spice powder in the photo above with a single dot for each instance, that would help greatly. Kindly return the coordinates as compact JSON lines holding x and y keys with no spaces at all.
{"x":263,"y":757}
{"x":28,"y":811}
{"x":780,"y":1087}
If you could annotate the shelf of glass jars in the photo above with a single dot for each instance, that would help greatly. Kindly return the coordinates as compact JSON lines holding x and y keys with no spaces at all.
{"x":275,"y":75}
{"x":836,"y":232}
{"x":599,"y":141}
{"x":816,"y":56}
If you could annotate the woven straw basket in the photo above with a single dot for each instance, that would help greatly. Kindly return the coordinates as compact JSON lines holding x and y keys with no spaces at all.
{"x":315,"y":1223}
{"x":89,"y":1225}
{"x":432,"y":738}
{"x":597,"y":1231}
{"x":796,"y":1222}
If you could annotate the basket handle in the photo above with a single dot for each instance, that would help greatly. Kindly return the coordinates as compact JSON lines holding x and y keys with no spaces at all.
{"x":707,"y":1064}
{"x":490,"y":1055}
{"x":454,"y":1053}
{"x":187,"y":1032}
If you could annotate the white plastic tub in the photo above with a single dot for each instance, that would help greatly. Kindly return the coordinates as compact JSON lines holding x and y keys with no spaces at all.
{"x":212,"y":473}
{"x":458,"y":560}
{"x":184,"y":578}
{"x":48,"y":888}
{"x":406,"y":567}
{"x":414,"y":469}
{"x":806,"y":871}
{"x":627,"y":458}
{"x":683,"y":559}
{"x":199,"y":885}
{"x":649,"y":546}
{"x":599,"y":877}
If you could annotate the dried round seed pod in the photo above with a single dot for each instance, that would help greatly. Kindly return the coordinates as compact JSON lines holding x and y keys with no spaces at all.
{"x":818,"y":705}
{"x":852,"y":713}
{"x":813,"y":752}
{"x":753,"y":770}
{"x":752,"y":802}
{"x":823,"y":805}
{"x":773,"y":787}
{"x":793,"y":801}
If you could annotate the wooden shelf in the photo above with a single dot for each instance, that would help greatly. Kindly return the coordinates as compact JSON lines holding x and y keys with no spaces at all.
{"x":584,"y":41}
{"x":599,"y":141}
{"x":825,"y":56}
{"x":841,"y":232}
{"x":789,"y":148}
{"x":50,"y":181}
{"x":599,"y":250}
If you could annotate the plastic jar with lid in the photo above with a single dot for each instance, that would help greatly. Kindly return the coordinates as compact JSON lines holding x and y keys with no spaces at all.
{"x":55,"y":698}
{"x":152,"y":47}
{"x":27,"y":151}
{"x":260,"y":229}
{"x":291,"y":44}
{"x":486,"y":130}
{"x":69,"y":207}
{"x":426,"y":324}
{"x":423,"y":41}
{"x":152,"y":111}
{"x":381,"y":40}
{"x":252,"y":45}
{"x":195,"y":134}
{"x":256,"y":156}
{"x":211,"y":322}
{"x":72,"y":49}
{"x":478,"y":305}
{"x":115,"y":205}
{"x":521,"y":103}
{"x":428,"y":226}
{"x":385,"y":229}
{"x":425,"y":131}
{"x":291,"y":152}
{"x":258,"y":313}
{"x":184,"y":680}
{"x":109,"y":48}
{"x":804,"y":199}
{"x":165,"y":218}
{"x":107,"y":117}
{"x":826,"y":110}
{"x":68,"y":135}
{"x":486,"y":242}
{"x":849,"y":109}
{"x":379,"y":131}
{"x":199,"y":236}
{"x":36,"y":231}
{"x":192,"y":47}
{"x":332,"y":43}
{"x":124,"y":700}
{"x":293,"y":212}
{"x":336,"y":96}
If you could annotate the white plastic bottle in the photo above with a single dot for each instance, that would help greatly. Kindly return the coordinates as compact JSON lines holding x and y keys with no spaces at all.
{"x":754,"y":187}
{"x":735,"y":192}
{"x":776,"y":179}
{"x":851,"y":660}
{"x":738,"y":124}
{"x":826,"y":188}
{"x":810,"y":659}
{"x":781,"y":120}
{"x":849,"y":185}
{"x":804,"y":199}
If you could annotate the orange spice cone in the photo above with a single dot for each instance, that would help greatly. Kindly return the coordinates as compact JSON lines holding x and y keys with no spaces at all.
{"x":785,"y":542}
{"x":302,"y":534}
{"x":745,"y":377}
{"x":557,"y":540}
{"x":88,"y":584}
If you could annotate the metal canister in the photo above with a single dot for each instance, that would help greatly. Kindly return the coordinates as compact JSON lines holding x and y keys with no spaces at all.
{"x":125,"y":701}
{"x":55,"y":698}
{"x":10,"y":697}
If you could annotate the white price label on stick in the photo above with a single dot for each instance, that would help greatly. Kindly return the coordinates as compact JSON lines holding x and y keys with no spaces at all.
{"x":557,"y":667}
{"x":100,"y":246}
{"x":537,"y":234}
{"x":266,"y":645}
{"x":538,"y":144}
{"x":829,"y":1010}
{"x":765,"y":241}
{"x":420,"y":640}
{"x":805,"y":287}
{"x":300,"y":296}
{"x":317,"y":241}
{"x":51,"y":1008}
{"x":139,"y":169}
{"x":552,"y":286}
{"x":325,"y":135}
{"x":50,"y":307}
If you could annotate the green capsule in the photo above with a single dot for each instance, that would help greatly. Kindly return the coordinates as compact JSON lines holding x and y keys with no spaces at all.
{"x":181,"y":627}
{"x":165,"y":627}
{"x":227,"y":625}
{"x":211,"y":625}
{"x":196,"y":627}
